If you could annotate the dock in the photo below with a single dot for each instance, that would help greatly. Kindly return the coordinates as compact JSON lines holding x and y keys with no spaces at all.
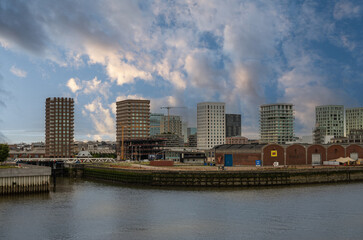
{"x":24,"y":179}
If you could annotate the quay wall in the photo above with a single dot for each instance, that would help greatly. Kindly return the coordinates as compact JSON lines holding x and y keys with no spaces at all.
{"x":269,"y":177}
{"x":25,"y":180}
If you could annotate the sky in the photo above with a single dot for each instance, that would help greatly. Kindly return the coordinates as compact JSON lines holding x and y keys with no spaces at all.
{"x":175,"y":53}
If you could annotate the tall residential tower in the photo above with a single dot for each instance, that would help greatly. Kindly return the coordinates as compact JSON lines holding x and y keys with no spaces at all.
{"x":353,"y":119}
{"x":330,"y":120}
{"x":133,"y":116}
{"x":59,"y":127}
{"x":211,"y":124}
{"x":277,"y":123}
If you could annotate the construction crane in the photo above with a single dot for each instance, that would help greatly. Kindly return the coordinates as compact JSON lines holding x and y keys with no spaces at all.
{"x":168,"y":107}
{"x":122,"y":142}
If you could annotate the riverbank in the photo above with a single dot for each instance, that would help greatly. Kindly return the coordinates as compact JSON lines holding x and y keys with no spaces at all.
{"x":24,"y":179}
{"x":210,"y":177}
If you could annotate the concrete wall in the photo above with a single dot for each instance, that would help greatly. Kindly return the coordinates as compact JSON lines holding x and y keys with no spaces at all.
{"x":25,"y":170}
{"x":259,"y":177}
{"x":25,"y":180}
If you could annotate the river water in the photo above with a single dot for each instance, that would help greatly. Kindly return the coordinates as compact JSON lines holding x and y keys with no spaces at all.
{"x":91,"y":210}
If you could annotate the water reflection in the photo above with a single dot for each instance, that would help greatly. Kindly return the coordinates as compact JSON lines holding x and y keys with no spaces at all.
{"x":90,"y":210}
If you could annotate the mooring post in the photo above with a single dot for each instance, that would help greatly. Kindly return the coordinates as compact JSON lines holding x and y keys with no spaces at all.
{"x":54,"y":167}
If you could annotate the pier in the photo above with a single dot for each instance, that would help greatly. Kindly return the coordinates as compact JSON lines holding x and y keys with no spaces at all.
{"x":213,"y":178}
{"x":24,"y":179}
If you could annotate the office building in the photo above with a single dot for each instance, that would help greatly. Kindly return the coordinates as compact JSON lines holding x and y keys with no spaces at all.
{"x":133,"y":116}
{"x":211,"y":124}
{"x":59,"y":127}
{"x":330,"y":120}
{"x":277,"y":123}
{"x":233,"y":125}
{"x":353,"y":119}
{"x":155,"y":121}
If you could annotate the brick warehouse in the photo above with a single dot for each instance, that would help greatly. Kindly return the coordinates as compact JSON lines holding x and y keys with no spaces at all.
{"x":296,"y":154}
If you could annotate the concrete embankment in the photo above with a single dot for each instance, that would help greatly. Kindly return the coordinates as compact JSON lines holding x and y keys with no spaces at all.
{"x":24,"y":179}
{"x":268,"y":177}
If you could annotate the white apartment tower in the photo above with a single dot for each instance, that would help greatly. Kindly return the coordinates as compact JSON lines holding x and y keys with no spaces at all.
{"x":277,"y":123}
{"x":330,"y":119}
{"x":353,"y":119}
{"x":211,"y":124}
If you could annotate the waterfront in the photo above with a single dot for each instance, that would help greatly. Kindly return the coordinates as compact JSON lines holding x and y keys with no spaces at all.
{"x":90,"y":210}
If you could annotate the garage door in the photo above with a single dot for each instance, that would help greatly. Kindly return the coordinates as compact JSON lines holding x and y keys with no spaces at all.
{"x":316,"y":159}
{"x":354,"y":156}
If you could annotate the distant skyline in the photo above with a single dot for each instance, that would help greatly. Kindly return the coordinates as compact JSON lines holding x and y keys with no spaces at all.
{"x":175,"y":53}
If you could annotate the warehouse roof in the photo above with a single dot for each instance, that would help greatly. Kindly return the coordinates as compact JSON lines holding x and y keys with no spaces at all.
{"x":245,"y":147}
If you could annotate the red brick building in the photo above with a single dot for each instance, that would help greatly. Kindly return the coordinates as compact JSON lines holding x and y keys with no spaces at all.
{"x":296,"y":154}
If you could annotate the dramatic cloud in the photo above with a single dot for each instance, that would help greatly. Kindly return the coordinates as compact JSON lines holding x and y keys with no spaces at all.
{"x":177,"y":53}
{"x":19,"y":28}
{"x":18,"y":72}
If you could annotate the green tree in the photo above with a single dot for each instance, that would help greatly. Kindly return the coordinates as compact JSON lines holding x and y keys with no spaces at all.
{"x":4,"y":152}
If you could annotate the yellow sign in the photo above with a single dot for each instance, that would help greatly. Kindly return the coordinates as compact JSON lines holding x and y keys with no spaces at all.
{"x":273,"y":153}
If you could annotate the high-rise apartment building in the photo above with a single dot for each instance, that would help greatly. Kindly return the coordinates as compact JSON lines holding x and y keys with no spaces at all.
{"x":155,"y":121}
{"x":59,"y":127}
{"x":277,"y":123}
{"x":133,"y":116}
{"x":233,"y":125}
{"x":171,"y":124}
{"x":330,"y":120}
{"x":353,"y":119}
{"x":211,"y":125}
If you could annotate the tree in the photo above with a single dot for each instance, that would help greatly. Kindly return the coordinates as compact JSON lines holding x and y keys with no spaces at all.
{"x":4,"y":152}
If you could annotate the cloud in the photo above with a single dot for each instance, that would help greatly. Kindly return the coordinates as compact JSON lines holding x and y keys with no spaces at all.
{"x":3,"y":94}
{"x":347,"y":43}
{"x":102,"y":120}
{"x":94,"y":86}
{"x":346,"y":9}
{"x":244,"y":53}
{"x":18,"y":72}
{"x":74,"y":84}
{"x":18,"y":28}
{"x":296,"y":84}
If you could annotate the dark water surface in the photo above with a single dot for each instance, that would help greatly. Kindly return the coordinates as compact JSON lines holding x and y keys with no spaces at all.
{"x":90,"y":210}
